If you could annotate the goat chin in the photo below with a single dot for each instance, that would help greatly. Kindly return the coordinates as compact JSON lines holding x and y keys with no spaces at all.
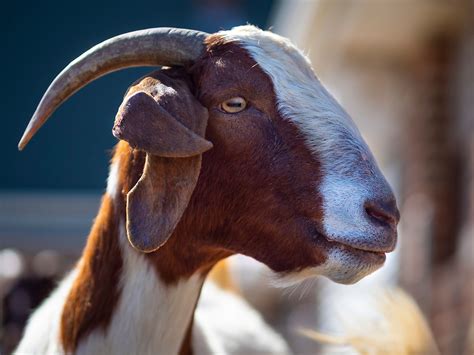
{"x":394,"y":326}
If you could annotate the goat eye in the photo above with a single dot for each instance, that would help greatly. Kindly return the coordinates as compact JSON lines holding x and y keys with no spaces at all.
{"x":233,"y":105}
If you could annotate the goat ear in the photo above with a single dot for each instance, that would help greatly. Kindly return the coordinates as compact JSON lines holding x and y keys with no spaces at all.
{"x":146,"y":125}
{"x":158,"y":200}
{"x":161,"y":116}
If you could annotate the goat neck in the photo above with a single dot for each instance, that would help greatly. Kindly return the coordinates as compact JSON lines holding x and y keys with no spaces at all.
{"x":124,"y":301}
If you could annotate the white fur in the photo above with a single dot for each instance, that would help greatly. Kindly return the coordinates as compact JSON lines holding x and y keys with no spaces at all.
{"x":41,"y":334}
{"x":226,"y":324}
{"x":113,"y":180}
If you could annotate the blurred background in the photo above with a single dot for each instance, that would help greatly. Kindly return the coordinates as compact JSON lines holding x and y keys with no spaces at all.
{"x":403,"y":69}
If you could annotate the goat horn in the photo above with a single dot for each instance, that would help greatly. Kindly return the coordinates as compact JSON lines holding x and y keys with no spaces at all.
{"x":151,"y":47}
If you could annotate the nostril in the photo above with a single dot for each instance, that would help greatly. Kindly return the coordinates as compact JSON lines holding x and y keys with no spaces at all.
{"x":383,"y":212}
{"x":378,"y":215}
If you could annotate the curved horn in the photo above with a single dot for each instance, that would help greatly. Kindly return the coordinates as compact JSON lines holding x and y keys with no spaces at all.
{"x":151,"y":47}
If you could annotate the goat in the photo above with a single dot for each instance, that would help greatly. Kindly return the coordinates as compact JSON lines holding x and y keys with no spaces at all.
{"x":233,"y":147}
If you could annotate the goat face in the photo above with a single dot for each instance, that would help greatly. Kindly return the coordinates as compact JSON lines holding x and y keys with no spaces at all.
{"x":289,"y":180}
{"x":294,"y":182}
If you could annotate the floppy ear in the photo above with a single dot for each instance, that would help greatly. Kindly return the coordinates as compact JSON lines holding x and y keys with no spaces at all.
{"x":146,"y":125}
{"x":158,"y":200}
{"x":164,"y":119}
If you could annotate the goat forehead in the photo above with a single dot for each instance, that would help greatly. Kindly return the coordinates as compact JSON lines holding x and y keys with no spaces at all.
{"x":301,"y":98}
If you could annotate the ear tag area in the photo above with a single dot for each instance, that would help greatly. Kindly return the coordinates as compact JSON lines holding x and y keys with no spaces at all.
{"x":146,"y":125}
{"x":158,"y":200}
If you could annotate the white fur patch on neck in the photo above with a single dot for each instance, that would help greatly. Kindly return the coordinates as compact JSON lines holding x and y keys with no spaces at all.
{"x":151,"y":317}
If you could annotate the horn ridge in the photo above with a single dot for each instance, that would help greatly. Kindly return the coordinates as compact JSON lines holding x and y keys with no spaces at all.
{"x":165,"y":46}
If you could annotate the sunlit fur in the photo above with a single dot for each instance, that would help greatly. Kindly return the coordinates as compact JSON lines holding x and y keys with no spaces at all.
{"x":348,"y":168}
{"x":113,"y":180}
{"x":383,"y":321}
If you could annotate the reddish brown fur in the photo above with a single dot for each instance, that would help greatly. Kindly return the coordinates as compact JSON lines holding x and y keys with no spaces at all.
{"x":256,"y":195}
{"x":95,"y":292}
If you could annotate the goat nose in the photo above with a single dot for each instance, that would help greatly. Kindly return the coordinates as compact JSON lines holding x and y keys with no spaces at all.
{"x":383,"y":211}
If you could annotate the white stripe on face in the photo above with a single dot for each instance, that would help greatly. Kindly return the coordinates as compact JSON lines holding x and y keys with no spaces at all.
{"x":302,"y":99}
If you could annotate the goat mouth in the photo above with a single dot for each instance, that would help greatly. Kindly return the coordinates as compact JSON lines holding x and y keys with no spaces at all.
{"x":370,"y":256}
{"x":357,"y":248}
{"x":350,"y":245}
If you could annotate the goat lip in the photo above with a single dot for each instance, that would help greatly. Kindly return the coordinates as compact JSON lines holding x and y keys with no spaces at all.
{"x":358,"y":248}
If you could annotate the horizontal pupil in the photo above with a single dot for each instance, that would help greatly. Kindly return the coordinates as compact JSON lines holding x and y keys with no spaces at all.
{"x":234,"y":104}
